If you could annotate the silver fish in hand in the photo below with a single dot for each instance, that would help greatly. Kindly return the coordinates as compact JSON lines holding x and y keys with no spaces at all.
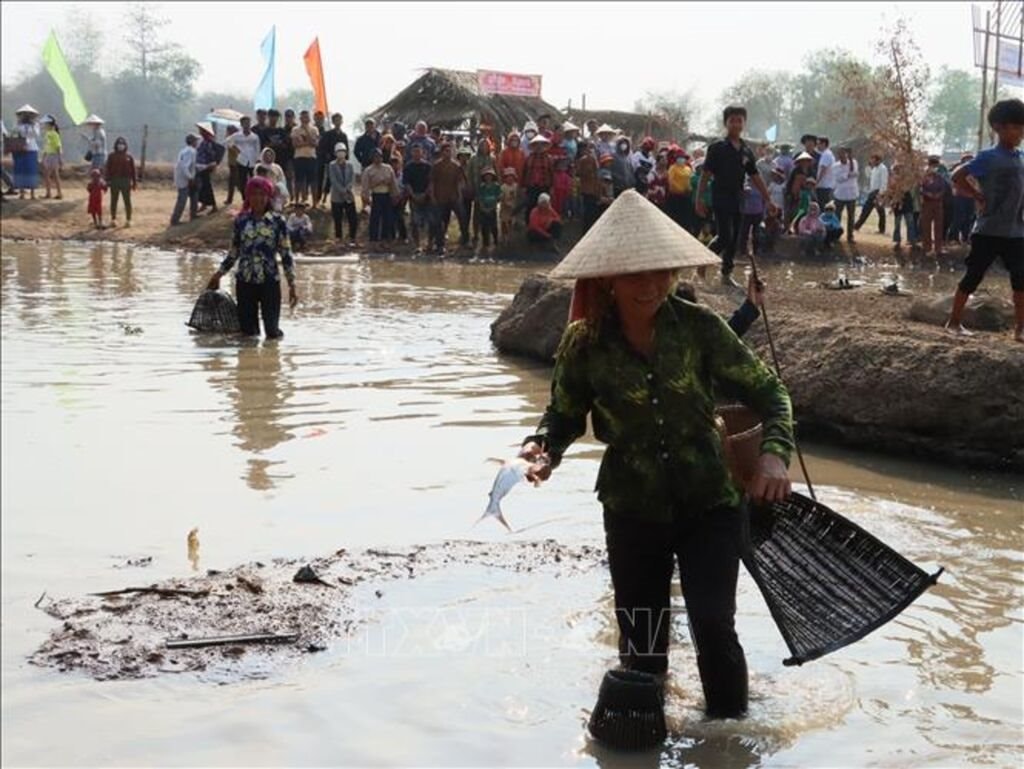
{"x":511,"y":473}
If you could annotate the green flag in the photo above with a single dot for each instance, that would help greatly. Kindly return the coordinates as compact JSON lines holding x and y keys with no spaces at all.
{"x":57,"y":66}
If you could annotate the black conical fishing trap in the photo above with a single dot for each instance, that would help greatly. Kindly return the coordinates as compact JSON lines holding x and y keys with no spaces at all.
{"x":216,"y":312}
{"x":629,"y":714}
{"x":826,"y":581}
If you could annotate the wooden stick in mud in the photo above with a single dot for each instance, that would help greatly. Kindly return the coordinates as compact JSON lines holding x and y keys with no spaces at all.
{"x":200,"y":643}
{"x":165,"y":592}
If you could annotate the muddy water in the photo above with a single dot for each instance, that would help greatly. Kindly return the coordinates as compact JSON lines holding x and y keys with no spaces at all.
{"x":369,"y":425}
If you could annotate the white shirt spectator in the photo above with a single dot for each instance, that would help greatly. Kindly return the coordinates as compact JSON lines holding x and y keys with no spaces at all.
{"x":185,"y":167}
{"x":777,"y":194}
{"x":827,"y":170}
{"x":30,"y":133}
{"x":846,"y":180}
{"x":248,"y":148}
{"x":879,"y":180}
{"x":97,"y":141}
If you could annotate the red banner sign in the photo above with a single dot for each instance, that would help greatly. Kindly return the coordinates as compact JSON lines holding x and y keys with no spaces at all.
{"x":508,"y":84}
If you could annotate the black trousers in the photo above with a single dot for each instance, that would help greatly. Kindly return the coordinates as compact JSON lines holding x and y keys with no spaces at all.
{"x":347,"y":210}
{"x":850,"y":207}
{"x":442,"y":219}
{"x":488,"y":227}
{"x":727,"y":230}
{"x":591,"y":211}
{"x":205,"y":181}
{"x":641,"y":556}
{"x":255,"y":299}
{"x":985,"y":249}
{"x":750,"y":231}
{"x":870,"y":204}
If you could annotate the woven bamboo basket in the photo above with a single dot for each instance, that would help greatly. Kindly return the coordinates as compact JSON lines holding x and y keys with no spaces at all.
{"x":740,"y":429}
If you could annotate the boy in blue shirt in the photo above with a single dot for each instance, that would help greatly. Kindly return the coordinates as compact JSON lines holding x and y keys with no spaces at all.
{"x":995,"y":179}
{"x":833,"y":228}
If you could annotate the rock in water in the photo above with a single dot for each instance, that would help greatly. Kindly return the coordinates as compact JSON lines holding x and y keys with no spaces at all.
{"x":533,"y":324}
{"x":984,"y":313}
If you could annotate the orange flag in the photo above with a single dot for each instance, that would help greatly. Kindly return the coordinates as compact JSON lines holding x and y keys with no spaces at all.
{"x":315,"y":69}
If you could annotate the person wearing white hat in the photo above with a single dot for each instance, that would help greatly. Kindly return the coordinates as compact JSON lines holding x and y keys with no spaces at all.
{"x":605,"y":141}
{"x":647,"y":367}
{"x":570,"y":139}
{"x":341,"y":176}
{"x":538,"y":172}
{"x":96,"y":141}
{"x":24,"y":145}
{"x":545,"y":225}
{"x":209,"y":153}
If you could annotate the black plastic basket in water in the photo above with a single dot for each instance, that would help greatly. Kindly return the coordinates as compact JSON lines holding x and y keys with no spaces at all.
{"x":215,"y":312}
{"x":630,"y":711}
{"x":827,"y":582}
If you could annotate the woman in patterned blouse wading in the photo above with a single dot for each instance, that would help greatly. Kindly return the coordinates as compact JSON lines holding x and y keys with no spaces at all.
{"x":260,"y":235}
{"x":648,"y":367}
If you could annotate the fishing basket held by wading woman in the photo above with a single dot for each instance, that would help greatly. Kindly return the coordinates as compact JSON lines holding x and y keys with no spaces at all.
{"x":214,"y":312}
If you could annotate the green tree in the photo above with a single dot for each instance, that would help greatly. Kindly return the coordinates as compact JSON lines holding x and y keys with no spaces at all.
{"x":297,"y":99}
{"x":82,"y":40}
{"x":767,"y":95}
{"x":819,"y":105}
{"x":953,"y":110}
{"x":679,"y":108}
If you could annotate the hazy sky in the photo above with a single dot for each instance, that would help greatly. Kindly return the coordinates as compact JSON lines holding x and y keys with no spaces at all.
{"x":612,"y":51}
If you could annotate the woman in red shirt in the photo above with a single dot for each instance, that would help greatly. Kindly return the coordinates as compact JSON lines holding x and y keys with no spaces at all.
{"x":545,"y":223}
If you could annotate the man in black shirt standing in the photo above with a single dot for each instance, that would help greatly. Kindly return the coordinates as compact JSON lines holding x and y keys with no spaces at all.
{"x":367,"y":143}
{"x":416,"y":178}
{"x":728,"y":162}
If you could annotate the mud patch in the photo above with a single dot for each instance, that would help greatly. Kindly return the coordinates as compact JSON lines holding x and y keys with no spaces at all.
{"x":118,"y":637}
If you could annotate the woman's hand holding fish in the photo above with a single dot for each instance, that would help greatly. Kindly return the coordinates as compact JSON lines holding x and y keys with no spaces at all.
{"x":540,"y":467}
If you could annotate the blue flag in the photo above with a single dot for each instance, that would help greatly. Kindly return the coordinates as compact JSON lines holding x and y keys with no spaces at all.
{"x":772,"y":133}
{"x":264,"y":98}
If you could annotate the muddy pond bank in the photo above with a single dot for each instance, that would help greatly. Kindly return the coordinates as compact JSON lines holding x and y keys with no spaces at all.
{"x":124,"y":634}
{"x":860,"y":370}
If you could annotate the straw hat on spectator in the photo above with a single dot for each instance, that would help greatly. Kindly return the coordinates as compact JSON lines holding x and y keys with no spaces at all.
{"x":26,"y":109}
{"x":633,"y":235}
{"x":604,"y":128}
{"x":93,"y":119}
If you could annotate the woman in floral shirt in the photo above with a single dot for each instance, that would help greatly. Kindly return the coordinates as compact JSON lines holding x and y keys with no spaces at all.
{"x":260,"y":235}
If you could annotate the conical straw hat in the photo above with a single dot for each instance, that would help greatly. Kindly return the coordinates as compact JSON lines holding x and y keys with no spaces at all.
{"x":26,"y":109}
{"x":633,"y":235}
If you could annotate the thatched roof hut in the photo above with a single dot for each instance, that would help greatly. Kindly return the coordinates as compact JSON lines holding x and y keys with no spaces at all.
{"x":635,"y":125}
{"x":452,"y":100}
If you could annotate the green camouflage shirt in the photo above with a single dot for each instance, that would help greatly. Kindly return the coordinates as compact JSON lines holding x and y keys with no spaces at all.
{"x":658,"y":417}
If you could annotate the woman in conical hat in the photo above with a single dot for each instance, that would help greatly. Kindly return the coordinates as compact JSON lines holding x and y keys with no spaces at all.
{"x":647,"y":367}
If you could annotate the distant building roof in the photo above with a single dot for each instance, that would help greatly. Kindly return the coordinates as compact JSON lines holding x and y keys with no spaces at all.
{"x":452,"y":99}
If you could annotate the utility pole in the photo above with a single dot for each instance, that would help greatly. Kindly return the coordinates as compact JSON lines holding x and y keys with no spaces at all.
{"x":999,"y":33}
{"x":984,"y":82}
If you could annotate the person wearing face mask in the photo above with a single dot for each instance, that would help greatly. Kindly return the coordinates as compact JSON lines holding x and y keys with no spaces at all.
{"x":121,"y":179}
{"x":623,"y":176}
{"x":679,"y":198}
